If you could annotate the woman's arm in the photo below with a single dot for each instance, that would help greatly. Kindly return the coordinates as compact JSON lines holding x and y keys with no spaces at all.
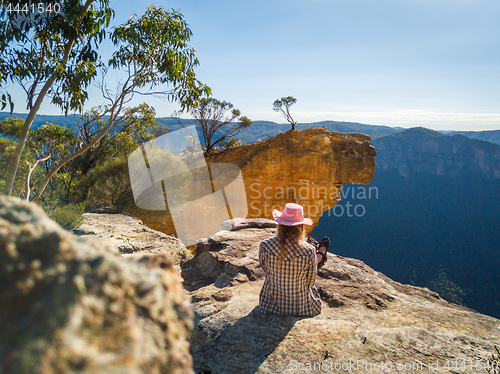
{"x":262,"y":256}
{"x":311,"y":270}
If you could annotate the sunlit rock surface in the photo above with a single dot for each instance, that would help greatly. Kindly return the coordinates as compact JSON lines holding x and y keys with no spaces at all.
{"x":131,"y":236}
{"x":307,"y":167}
{"x":366,"y":318}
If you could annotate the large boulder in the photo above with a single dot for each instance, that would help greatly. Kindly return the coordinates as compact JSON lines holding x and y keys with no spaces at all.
{"x":366,"y":319}
{"x":73,"y":304}
{"x":308,"y":167}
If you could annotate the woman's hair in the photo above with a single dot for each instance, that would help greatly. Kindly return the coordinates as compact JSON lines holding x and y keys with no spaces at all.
{"x":294,"y":233}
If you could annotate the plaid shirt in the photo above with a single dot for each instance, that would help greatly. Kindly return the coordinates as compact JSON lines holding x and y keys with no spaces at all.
{"x":289,"y":289}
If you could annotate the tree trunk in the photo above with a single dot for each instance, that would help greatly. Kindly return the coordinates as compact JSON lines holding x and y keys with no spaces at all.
{"x":24,"y":136}
{"x":28,"y":176}
{"x":71,"y":157}
{"x":31,"y":116}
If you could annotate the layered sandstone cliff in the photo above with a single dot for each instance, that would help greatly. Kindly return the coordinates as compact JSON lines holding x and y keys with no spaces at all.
{"x":420,"y":150}
{"x":307,"y":167}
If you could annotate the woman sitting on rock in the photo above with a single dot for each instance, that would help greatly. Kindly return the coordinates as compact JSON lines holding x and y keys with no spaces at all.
{"x":291,"y":264}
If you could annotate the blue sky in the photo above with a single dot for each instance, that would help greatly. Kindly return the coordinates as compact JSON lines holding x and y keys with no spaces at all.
{"x":398,"y":63}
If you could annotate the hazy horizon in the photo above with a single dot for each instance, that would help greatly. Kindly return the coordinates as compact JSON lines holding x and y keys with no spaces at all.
{"x":390,"y":63}
{"x":278,"y":122}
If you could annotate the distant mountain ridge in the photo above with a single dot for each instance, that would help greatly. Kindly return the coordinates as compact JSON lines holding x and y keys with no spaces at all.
{"x":42,"y":119}
{"x":261,"y":130}
{"x":492,"y":136}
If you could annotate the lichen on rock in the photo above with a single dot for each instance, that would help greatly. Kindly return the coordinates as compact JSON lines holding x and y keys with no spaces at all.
{"x":75,"y":305}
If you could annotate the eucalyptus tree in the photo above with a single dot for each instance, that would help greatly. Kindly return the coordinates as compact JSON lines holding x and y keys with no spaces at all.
{"x":217,"y":125}
{"x":283,"y":105}
{"x":50,"y":54}
{"x":152,"y":51}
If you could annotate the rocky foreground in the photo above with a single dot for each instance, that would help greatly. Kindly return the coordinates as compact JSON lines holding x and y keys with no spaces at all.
{"x":131,"y":237}
{"x":73,"y":304}
{"x":78,"y":304}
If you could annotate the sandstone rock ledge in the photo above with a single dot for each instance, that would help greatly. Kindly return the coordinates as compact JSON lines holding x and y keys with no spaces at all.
{"x":131,"y":236}
{"x":365,"y":316}
{"x":308,"y":167}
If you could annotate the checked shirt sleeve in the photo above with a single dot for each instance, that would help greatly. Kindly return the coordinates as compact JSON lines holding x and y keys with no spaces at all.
{"x":312,"y":269}
{"x":262,"y":257}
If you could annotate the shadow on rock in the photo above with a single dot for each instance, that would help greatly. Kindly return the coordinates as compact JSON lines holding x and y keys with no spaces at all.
{"x":242,"y":347}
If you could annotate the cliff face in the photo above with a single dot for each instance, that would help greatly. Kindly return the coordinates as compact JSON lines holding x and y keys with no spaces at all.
{"x":307,"y":167}
{"x":420,"y":150}
{"x":438,"y":212}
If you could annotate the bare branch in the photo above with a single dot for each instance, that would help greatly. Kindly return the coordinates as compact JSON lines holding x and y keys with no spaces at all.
{"x":28,"y":176}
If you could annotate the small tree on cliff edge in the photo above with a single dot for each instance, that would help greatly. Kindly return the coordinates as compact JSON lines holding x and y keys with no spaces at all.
{"x":283,"y":105}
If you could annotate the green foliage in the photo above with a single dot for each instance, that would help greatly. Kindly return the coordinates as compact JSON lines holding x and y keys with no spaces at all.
{"x":217,"y":126}
{"x":57,"y":56}
{"x":108,"y":185}
{"x":136,"y":126}
{"x":152,"y":50}
{"x":139,"y":126}
{"x":60,"y":54}
{"x":54,"y":56}
{"x":178,"y":186}
{"x":54,"y":139}
{"x":69,"y":216}
{"x":62,"y":48}
{"x":231,"y":143}
{"x":155,"y":47}
{"x":10,"y":128}
{"x":446,"y":288}
{"x":71,"y":183}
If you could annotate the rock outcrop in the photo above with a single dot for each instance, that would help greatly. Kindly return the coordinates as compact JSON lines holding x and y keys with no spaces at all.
{"x":131,"y":236}
{"x":75,"y":305}
{"x":368,"y":322}
{"x":307,"y":167}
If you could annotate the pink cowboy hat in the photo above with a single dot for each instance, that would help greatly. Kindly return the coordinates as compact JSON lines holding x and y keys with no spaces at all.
{"x":292,"y":215}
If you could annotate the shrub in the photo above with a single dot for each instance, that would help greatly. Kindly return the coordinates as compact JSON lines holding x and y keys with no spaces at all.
{"x":69,"y":216}
{"x":446,"y":288}
{"x":108,"y":186}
